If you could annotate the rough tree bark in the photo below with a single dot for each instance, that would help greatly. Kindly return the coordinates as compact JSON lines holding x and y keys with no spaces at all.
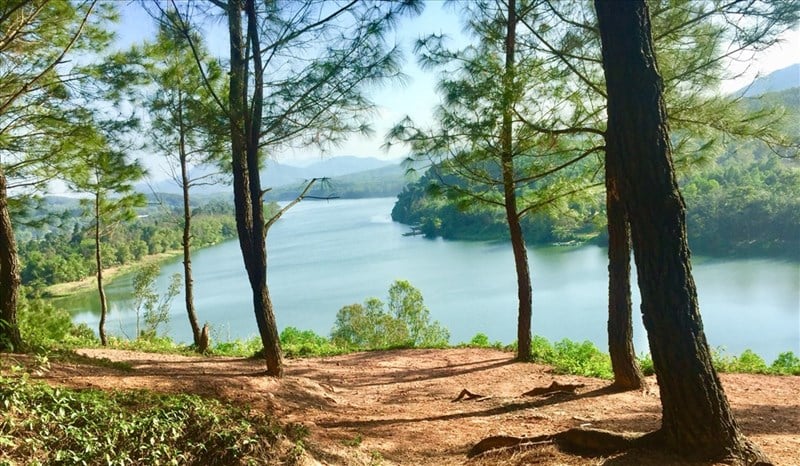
{"x":245,"y":133}
{"x":696,"y":417}
{"x":509,"y":193}
{"x":627,"y":375}
{"x":10,"y":339}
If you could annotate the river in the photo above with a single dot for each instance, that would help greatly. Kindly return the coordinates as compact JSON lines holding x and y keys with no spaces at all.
{"x":326,"y":254}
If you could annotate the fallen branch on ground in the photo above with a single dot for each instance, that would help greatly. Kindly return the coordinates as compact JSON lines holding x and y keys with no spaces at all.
{"x":554,"y":388}
{"x":466,"y":394}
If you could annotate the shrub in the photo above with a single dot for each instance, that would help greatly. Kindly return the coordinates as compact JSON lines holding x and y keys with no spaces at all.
{"x":786,"y":364}
{"x":237,"y":347}
{"x":42,"y":324}
{"x":582,"y":359}
{"x":299,"y":343}
{"x":152,"y":308}
{"x":480,"y":340}
{"x":405,"y":323}
{"x":751,"y":363}
{"x":646,"y":364}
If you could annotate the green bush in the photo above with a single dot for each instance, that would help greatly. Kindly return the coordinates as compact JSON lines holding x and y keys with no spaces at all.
{"x":569,"y":357}
{"x":582,"y":359}
{"x":746,"y":363}
{"x":404,"y":323}
{"x":786,"y":364}
{"x":41,"y":325}
{"x":238,"y":347}
{"x":646,"y":364}
{"x":480,"y":340}
{"x":300,"y":343}
{"x":751,"y":363}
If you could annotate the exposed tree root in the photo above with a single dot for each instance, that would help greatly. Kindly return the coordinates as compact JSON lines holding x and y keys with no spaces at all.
{"x":598,"y":442}
{"x":507,"y":443}
{"x":595,"y":442}
{"x":468,"y":395}
{"x":554,"y":388}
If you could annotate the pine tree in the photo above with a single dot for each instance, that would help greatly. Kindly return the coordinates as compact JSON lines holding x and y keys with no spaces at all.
{"x":185,"y":126}
{"x":109,"y":179}
{"x":40,"y":122}
{"x":298,"y":73}
{"x":696,"y":418}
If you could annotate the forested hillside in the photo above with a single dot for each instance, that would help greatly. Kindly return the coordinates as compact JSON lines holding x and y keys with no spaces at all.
{"x":744,"y":201}
{"x":56,"y":246}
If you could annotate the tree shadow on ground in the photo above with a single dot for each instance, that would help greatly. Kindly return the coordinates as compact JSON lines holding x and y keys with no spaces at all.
{"x":494,"y":411}
{"x":390,"y":375}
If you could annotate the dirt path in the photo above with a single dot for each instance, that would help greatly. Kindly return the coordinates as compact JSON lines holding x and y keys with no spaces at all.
{"x":395,"y":408}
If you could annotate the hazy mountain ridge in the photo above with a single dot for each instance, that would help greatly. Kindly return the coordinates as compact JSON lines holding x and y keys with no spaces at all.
{"x":276,"y":174}
{"x":778,"y":80}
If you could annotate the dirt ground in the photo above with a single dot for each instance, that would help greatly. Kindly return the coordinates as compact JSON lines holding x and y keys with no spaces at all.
{"x":396,"y":408}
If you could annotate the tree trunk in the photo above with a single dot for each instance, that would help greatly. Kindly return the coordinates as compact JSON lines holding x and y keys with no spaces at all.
{"x":509,"y":193}
{"x":10,"y":338}
{"x":98,"y":256}
{"x":696,"y":417}
{"x":627,"y":375}
{"x":187,"y":233}
{"x":245,"y":133}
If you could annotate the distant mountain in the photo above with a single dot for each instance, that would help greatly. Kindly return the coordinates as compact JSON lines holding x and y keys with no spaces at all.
{"x":344,"y":165}
{"x":385,"y":181}
{"x":780,"y":80}
{"x":276,"y":174}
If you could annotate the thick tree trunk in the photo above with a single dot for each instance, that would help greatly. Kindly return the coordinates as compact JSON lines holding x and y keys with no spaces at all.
{"x":627,"y":375}
{"x":10,"y":339}
{"x":512,"y":215}
{"x":98,"y":256}
{"x":245,"y":133}
{"x":696,"y":417}
{"x":187,"y":236}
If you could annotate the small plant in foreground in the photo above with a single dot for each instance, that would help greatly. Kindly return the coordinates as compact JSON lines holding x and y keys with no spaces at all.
{"x":45,"y":425}
{"x":353,"y":442}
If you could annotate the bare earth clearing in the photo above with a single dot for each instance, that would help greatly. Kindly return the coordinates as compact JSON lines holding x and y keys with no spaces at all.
{"x":399,"y":403}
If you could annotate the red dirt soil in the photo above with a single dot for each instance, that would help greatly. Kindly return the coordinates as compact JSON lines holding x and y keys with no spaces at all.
{"x":396,"y":408}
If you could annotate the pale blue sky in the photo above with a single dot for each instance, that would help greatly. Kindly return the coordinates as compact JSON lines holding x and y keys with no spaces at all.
{"x":418,"y":97}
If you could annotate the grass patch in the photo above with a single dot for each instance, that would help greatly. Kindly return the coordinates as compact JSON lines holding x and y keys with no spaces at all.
{"x":481,"y":340}
{"x":569,"y":357}
{"x":45,"y":425}
{"x":304,"y":343}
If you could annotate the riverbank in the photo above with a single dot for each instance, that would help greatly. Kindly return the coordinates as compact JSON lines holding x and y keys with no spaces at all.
{"x":61,"y":290}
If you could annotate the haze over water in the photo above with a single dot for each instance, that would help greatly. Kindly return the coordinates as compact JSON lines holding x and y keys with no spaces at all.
{"x":325,"y":255}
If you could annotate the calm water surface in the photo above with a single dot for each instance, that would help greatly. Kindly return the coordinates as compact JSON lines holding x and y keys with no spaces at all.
{"x":325,"y":255}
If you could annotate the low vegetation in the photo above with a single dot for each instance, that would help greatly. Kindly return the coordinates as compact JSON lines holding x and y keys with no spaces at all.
{"x":46,"y":425}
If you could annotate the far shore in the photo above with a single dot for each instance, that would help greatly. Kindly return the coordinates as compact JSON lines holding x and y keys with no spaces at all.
{"x":61,"y":290}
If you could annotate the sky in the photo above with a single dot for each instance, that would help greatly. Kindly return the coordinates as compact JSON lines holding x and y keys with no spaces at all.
{"x":417,"y":97}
